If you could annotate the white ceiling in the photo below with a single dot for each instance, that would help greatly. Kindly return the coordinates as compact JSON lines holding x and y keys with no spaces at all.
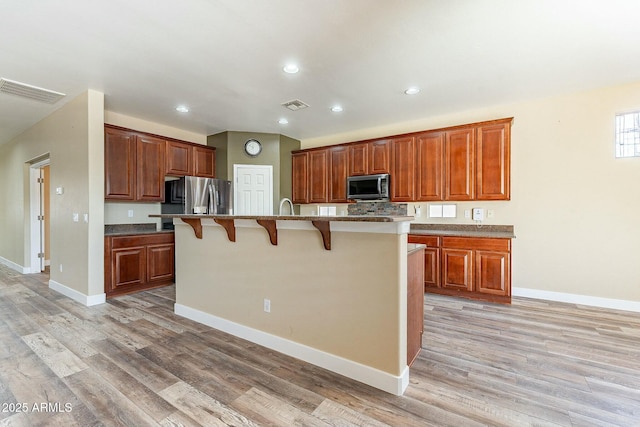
{"x":224,"y":58}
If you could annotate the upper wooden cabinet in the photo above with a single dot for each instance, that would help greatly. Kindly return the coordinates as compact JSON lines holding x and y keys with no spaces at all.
{"x":467,"y":162}
{"x":120,"y":164}
{"x":204,"y":161}
{"x":402,"y":169}
{"x":358,"y":159}
{"x":429,"y":158}
{"x":338,"y":172}
{"x":318,"y":182}
{"x":134,"y":166}
{"x":300,"y":177}
{"x":179,"y":159}
{"x":149,"y":168}
{"x":185,"y":159}
{"x":459,"y":146}
{"x":493,"y":162}
{"x":379,"y":157}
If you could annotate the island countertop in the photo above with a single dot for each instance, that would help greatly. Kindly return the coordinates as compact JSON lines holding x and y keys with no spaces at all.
{"x":342,"y":218}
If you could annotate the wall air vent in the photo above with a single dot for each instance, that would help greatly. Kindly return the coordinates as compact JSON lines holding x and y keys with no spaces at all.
{"x":31,"y":92}
{"x":295,"y":105}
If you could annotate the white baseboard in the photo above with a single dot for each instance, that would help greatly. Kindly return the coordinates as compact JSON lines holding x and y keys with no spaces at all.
{"x":365,"y":374}
{"x":616,"y":304}
{"x":87,"y":300}
{"x":12,"y":265}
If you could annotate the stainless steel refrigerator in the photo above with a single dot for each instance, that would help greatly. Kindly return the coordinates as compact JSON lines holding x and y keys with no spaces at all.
{"x":207,"y":196}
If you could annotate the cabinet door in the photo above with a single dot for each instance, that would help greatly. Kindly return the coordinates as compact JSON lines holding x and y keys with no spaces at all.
{"x":415,"y":305}
{"x":160,"y":263}
{"x":128,"y":267}
{"x":459,"y":164}
{"x":204,"y":161}
{"x":431,"y":268}
{"x":379,"y":157}
{"x":493,"y":156}
{"x":318,"y":180}
{"x":429,"y":166}
{"x":179,"y":158}
{"x":358,"y":159}
{"x":402,"y":169}
{"x":338,"y":172}
{"x":299,"y":178}
{"x":493,"y":273}
{"x":150,"y":166}
{"x":457,"y":269}
{"x":119,"y":164}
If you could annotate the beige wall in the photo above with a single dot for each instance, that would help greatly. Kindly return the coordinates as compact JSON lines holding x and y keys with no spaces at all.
{"x":575,"y":207}
{"x":72,"y":137}
{"x":325,"y":299}
{"x":141,"y":125}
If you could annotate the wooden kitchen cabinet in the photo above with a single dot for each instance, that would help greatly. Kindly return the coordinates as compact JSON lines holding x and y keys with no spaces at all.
{"x":415,"y":304}
{"x":150,"y":167}
{"x":469,"y":267}
{"x":402,"y":169}
{"x":120,"y":164}
{"x":358,"y":159}
{"x":459,"y":164}
{"x":379,"y":157}
{"x":318,"y":178}
{"x":431,"y":259}
{"x":179,"y":158}
{"x":300,"y":177}
{"x":134,"y":166}
{"x":429,"y":175}
{"x":138,"y":262}
{"x":493,"y":161}
{"x":186,"y":159}
{"x":338,"y":173}
{"x":204,"y":161}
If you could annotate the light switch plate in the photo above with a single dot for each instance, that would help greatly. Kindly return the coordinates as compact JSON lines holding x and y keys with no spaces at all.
{"x":449,"y":211}
{"x":435,"y":211}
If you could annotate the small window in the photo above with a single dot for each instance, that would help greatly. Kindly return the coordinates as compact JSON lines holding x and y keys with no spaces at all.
{"x":628,"y":134}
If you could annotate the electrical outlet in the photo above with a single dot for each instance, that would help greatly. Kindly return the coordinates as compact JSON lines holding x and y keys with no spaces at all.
{"x":76,"y":217}
{"x":267,"y":305}
{"x":60,"y":268}
{"x":490,"y":213}
{"x":478,"y":214}
{"x":130,"y":213}
{"x":467,"y":213}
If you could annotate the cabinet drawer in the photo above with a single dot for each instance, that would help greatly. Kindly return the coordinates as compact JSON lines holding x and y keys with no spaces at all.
{"x":477,"y":243}
{"x":118,"y":242}
{"x":430,"y":241}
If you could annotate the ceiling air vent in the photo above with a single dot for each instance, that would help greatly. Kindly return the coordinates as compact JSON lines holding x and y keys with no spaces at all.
{"x":31,"y":92}
{"x":295,"y":105}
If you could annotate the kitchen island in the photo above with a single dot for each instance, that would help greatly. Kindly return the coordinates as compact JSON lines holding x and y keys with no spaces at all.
{"x":331,"y":291}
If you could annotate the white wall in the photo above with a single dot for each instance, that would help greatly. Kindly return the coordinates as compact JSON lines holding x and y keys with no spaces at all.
{"x":575,"y":207}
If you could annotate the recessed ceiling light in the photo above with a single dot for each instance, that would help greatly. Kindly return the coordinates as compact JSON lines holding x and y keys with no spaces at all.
{"x":182,"y":109}
{"x":291,"y":69}
{"x":336,"y":109}
{"x":283,"y":121}
{"x":412,"y":90}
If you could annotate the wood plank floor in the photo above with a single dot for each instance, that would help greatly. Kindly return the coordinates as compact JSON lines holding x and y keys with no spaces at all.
{"x":132,"y":362}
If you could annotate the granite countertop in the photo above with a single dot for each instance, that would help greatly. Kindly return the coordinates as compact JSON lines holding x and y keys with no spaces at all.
{"x":464,"y":230}
{"x":124,"y":229}
{"x":352,"y":218}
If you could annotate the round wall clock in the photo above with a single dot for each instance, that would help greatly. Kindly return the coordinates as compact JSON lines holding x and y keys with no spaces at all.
{"x":252,"y":147}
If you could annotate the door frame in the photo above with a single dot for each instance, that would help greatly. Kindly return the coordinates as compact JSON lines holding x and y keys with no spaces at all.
{"x":37,"y":237}
{"x":236,"y":167}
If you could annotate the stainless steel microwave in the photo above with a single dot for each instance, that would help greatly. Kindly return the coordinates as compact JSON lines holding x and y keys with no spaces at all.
{"x":368,"y":187}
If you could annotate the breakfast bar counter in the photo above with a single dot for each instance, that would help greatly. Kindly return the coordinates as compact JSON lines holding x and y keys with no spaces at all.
{"x":331,"y":291}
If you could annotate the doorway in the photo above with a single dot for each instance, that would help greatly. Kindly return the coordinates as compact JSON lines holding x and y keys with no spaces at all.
{"x":253,"y":190}
{"x":39,"y":178}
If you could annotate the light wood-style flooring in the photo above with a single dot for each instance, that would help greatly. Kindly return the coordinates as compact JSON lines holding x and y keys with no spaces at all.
{"x":132,"y":362}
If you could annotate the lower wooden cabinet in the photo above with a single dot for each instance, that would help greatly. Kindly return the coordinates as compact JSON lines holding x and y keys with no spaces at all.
{"x":415,"y":304}
{"x":469,"y":267}
{"x":138,"y":262}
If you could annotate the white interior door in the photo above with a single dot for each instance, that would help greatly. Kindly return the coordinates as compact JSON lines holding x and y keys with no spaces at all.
{"x":253,"y":189}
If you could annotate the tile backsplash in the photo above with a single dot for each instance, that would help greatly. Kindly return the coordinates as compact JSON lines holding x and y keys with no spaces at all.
{"x":377,"y":208}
